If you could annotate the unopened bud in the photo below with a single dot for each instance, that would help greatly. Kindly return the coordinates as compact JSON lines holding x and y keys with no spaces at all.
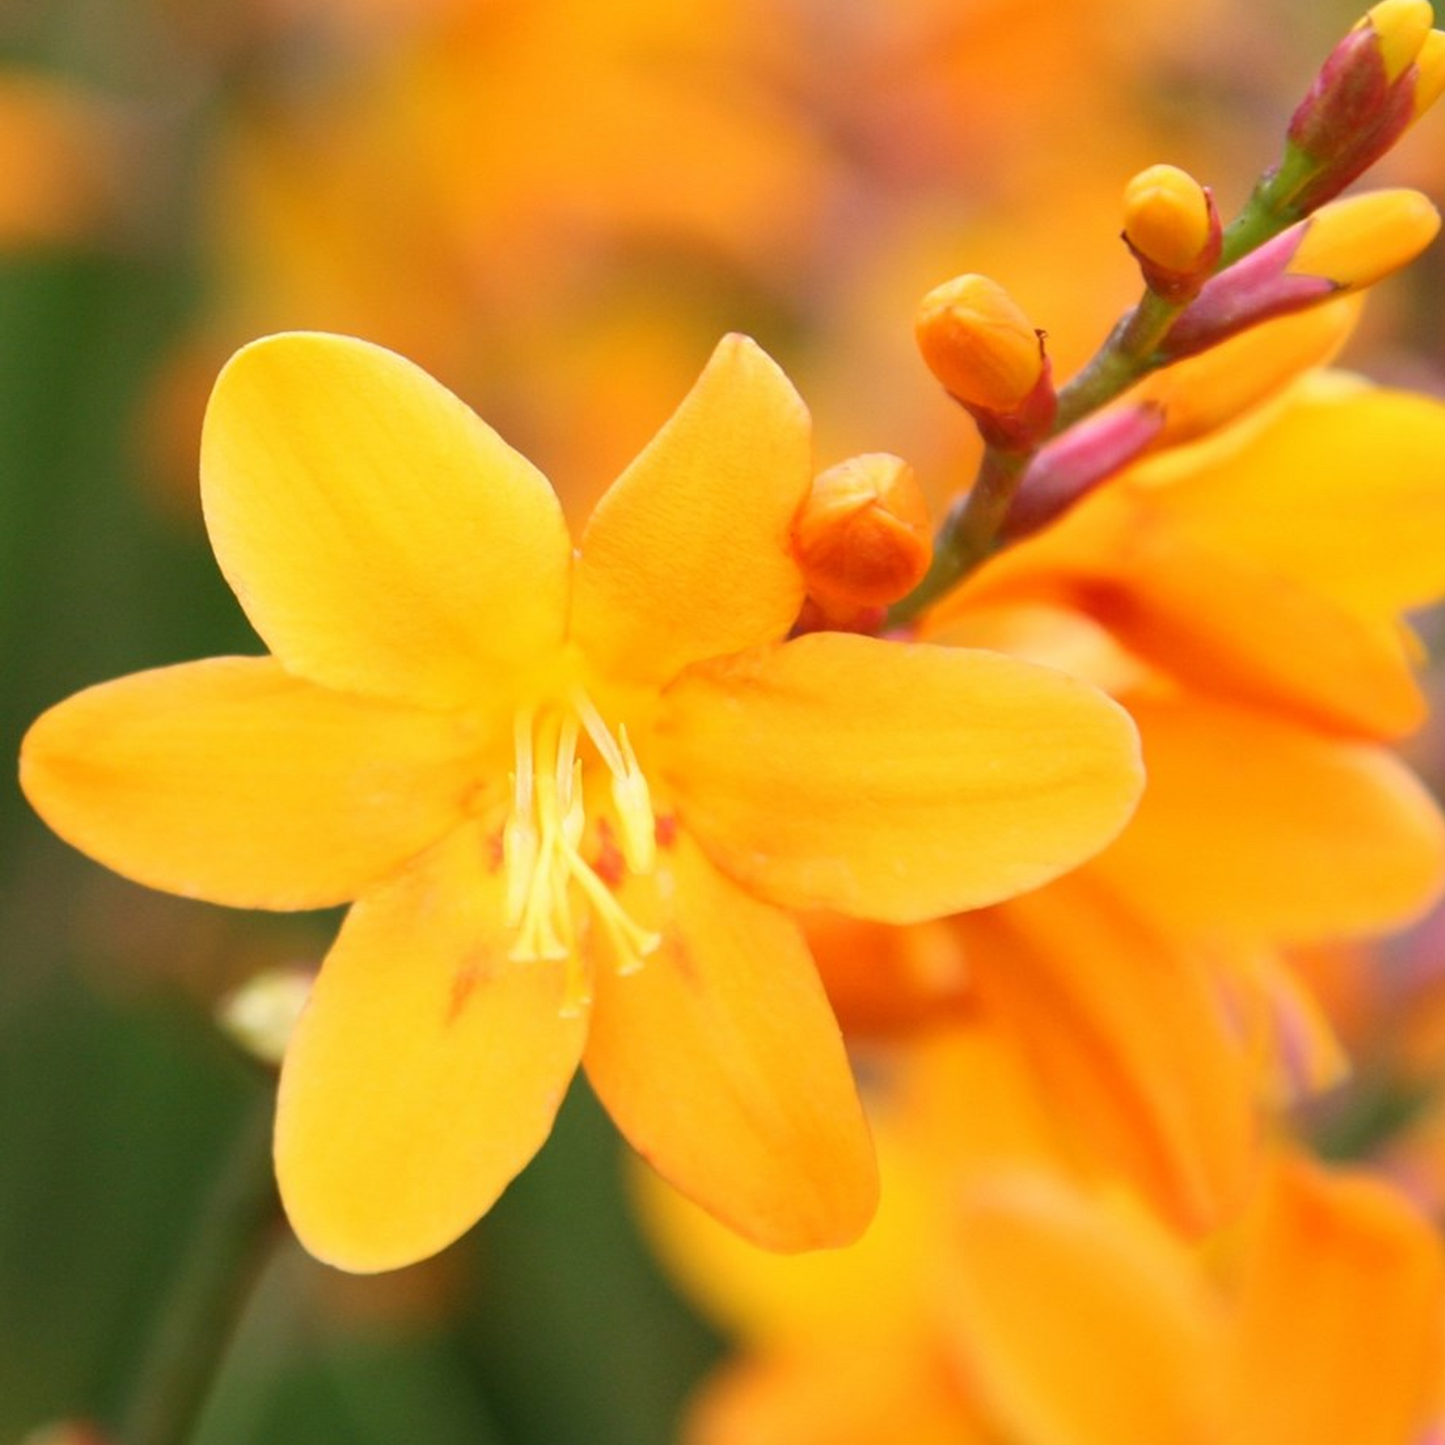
{"x":261,"y":1015}
{"x":979,"y":344}
{"x":1199,"y":395}
{"x":1357,"y":242}
{"x":1172,"y":227}
{"x":1376,"y":82}
{"x":862,"y":537}
{"x":1345,"y":246}
{"x":1399,"y":28}
{"x":1429,"y":74}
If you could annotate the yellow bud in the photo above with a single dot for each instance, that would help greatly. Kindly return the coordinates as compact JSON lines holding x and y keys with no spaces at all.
{"x":1401,"y":26}
{"x":1167,"y":218}
{"x":978,"y":343}
{"x":1429,"y":73}
{"x":1362,"y":239}
{"x":862,"y":537}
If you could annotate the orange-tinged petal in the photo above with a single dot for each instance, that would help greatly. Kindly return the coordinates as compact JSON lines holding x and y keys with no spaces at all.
{"x":1081,"y":1328}
{"x":232,"y":781}
{"x":894,"y":781}
{"x":1226,"y":625}
{"x":425,"y":1071}
{"x":722,"y":1065}
{"x":879,"y":1389}
{"x":1254,"y":826}
{"x":1126,"y":1029}
{"x":1339,"y":1315}
{"x":381,"y":537}
{"x":688,"y":554}
{"x":1343,"y":491}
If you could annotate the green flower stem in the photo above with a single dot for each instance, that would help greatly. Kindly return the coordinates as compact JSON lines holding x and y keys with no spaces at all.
{"x":1273,"y":207}
{"x":222,"y":1259}
{"x":1130,"y":353}
{"x":969,"y":532}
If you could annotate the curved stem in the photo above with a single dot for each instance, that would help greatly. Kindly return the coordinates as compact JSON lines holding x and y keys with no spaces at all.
{"x":969,"y":532}
{"x":219,"y":1267}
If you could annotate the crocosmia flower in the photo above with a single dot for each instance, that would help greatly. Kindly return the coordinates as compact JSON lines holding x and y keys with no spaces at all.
{"x":574,"y":794}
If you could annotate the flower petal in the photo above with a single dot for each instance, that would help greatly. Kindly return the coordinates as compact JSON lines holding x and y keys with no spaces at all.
{"x":1081,"y":1327}
{"x":232,"y":781}
{"x":893,"y":781}
{"x":688,"y":554}
{"x":426,"y":1069}
{"x":1125,"y":1034}
{"x":722,"y":1065}
{"x":1338,"y":1325}
{"x":1342,"y":491}
{"x":1255,"y":826}
{"x":381,"y":538}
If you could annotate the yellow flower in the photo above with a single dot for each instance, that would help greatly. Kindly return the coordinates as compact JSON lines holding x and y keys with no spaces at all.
{"x":572,"y":794}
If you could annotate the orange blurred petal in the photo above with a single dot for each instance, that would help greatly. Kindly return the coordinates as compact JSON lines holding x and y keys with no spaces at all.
{"x":1079,"y":1329}
{"x":426,"y":1069}
{"x":1339,"y":1315}
{"x":1253,"y":826}
{"x":231,"y":781}
{"x":722,"y":1064}
{"x":1127,"y":1035}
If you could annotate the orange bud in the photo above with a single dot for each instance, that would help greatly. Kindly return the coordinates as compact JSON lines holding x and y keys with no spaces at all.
{"x":862,"y":537}
{"x":978,"y":343}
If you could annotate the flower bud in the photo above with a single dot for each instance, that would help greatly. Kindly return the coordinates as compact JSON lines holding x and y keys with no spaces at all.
{"x":979,"y":344}
{"x":1172,"y":227}
{"x":1213,"y":389}
{"x":862,"y":537}
{"x":1345,"y":246}
{"x":261,"y":1014}
{"x":1399,"y":28}
{"x":1429,"y":74}
{"x":1357,"y":242}
{"x":1376,"y":82}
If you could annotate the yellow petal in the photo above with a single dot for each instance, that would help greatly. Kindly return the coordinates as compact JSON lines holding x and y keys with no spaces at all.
{"x":1339,"y":1315}
{"x":688,"y":554}
{"x":426,"y":1070}
{"x":722,"y":1065}
{"x":1127,"y":1036}
{"x":1254,"y":826}
{"x":1082,"y":1328}
{"x":892,"y":781}
{"x":231,"y":781}
{"x":1342,"y":491}
{"x":379,"y":535}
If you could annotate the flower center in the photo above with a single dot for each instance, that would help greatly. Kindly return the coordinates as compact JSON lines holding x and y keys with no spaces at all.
{"x":542,"y":838}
